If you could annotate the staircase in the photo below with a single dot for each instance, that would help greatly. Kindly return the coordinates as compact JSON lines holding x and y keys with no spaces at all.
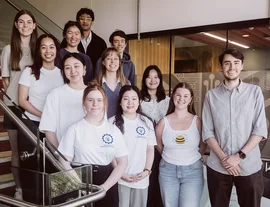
{"x":7,"y":184}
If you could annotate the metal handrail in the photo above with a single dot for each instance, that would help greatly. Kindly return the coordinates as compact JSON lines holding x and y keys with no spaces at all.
{"x":39,"y":25}
{"x":29,"y":134}
{"x":72,"y":203}
{"x":75,"y":202}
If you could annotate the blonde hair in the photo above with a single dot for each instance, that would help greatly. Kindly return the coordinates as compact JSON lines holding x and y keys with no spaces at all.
{"x":119,"y":72}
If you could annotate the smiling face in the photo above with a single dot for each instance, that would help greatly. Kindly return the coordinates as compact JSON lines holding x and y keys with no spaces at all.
{"x":112,"y":62}
{"x":74,"y":70}
{"x":73,"y":36}
{"x":231,"y":67}
{"x":47,"y":50}
{"x":119,"y":43}
{"x":25,"y":25}
{"x":152,"y":81}
{"x":94,"y":103}
{"x":182,"y":98}
{"x":130,"y":102}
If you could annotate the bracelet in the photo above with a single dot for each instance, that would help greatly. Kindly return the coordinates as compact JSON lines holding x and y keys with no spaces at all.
{"x":149,"y":171}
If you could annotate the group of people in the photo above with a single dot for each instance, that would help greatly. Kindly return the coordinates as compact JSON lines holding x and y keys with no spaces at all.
{"x":84,"y":100}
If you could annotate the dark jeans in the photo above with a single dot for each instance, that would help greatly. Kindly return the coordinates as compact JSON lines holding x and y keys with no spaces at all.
{"x":154,"y":196}
{"x":100,"y":175}
{"x":249,"y":188}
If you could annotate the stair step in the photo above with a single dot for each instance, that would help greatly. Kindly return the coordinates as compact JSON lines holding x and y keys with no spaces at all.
{"x":5,"y":154}
{"x":6,"y":178}
{"x":3,"y":136}
{"x":5,"y":185}
{"x":4,"y":146}
{"x":5,"y":167}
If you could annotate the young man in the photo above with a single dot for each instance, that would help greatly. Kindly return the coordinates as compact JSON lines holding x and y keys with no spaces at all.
{"x":118,"y":40}
{"x":234,"y":123}
{"x":91,"y":44}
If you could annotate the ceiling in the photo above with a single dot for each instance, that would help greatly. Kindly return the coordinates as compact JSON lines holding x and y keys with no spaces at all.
{"x":258,"y":37}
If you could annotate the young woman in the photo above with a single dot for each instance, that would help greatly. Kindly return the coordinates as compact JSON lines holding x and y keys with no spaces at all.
{"x":154,"y":100}
{"x":154,"y":104}
{"x":73,"y":33}
{"x":63,"y":106}
{"x":15,"y":57}
{"x":181,"y":147}
{"x":140,"y":139}
{"x":93,"y":140}
{"x":40,"y":79}
{"x":111,"y":77}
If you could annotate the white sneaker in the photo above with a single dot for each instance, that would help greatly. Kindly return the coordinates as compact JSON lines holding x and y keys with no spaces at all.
{"x":18,"y":194}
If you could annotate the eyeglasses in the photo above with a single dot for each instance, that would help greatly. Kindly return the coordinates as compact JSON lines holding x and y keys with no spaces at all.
{"x":88,"y":19}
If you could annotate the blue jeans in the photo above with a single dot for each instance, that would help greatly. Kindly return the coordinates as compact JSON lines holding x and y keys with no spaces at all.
{"x":181,"y":185}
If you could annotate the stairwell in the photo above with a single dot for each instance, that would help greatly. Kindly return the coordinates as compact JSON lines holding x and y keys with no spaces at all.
{"x":7,"y":184}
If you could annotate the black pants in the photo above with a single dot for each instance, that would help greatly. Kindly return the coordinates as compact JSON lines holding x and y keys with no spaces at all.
{"x":154,"y":196}
{"x":249,"y":188}
{"x":100,"y":175}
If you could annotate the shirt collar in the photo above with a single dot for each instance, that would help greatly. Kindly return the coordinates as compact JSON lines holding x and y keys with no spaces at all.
{"x":104,"y":80}
{"x":239,"y":88}
{"x":88,"y":39}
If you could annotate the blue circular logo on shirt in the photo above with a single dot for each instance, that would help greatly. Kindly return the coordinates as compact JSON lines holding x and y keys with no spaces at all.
{"x":107,"y":139}
{"x":140,"y":130}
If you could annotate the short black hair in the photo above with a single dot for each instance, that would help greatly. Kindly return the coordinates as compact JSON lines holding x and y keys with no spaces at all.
{"x":72,"y":24}
{"x":119,"y":33}
{"x":233,"y":52}
{"x":85,"y":11}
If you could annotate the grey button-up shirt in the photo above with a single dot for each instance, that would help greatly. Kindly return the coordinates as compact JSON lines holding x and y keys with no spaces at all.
{"x":231,"y":117}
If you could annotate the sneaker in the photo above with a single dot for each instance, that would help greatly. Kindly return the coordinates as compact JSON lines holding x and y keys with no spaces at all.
{"x":18,"y":194}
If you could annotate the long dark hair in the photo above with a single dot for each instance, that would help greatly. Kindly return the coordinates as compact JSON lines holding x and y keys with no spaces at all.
{"x":119,"y":121}
{"x":145,"y":96}
{"x":191,"y":108}
{"x":38,"y":59}
{"x":15,"y":43}
{"x":77,"y":56}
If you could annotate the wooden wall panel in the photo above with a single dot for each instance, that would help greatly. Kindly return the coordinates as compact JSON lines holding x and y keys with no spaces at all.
{"x":150,"y":51}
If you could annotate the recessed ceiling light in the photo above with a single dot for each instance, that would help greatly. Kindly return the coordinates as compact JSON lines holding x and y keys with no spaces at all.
{"x":245,"y":35}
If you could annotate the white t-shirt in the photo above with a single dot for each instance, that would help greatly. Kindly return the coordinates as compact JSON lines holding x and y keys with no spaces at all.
{"x":90,"y":144}
{"x":14,"y":76}
{"x":63,"y":107}
{"x":155,"y":110}
{"x":138,"y":134}
{"x":39,"y":89}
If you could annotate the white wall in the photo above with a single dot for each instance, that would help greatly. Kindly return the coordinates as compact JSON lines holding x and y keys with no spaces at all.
{"x":60,"y":11}
{"x":158,"y":15}
{"x":155,"y":14}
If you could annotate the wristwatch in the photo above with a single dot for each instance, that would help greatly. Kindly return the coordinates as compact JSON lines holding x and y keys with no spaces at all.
{"x":242,"y":155}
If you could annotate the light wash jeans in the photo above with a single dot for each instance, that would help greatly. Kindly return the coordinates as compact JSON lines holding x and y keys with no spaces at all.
{"x":181,"y":185}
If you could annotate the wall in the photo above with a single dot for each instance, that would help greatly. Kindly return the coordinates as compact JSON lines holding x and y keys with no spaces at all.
{"x":58,"y":11}
{"x":170,"y":14}
{"x":155,"y":14}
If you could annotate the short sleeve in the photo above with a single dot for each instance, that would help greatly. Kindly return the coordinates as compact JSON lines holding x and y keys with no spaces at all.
{"x":151,"y":138}
{"x":67,"y":143}
{"x":25,"y":77}
{"x":5,"y":62}
{"x":48,"y":119}
{"x":121,"y":148}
